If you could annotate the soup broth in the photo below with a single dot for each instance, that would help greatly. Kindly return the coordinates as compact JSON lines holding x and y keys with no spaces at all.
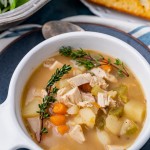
{"x":102,"y":108}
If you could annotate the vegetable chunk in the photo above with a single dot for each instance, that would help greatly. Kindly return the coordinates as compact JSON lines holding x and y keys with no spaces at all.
{"x":128,"y":127}
{"x":103,"y":137}
{"x":100,"y":120}
{"x":95,"y":90}
{"x":62,"y":129}
{"x":73,"y":110}
{"x":58,"y":120}
{"x":123,"y":93}
{"x":77,"y":134}
{"x":115,"y":147}
{"x":62,"y":83}
{"x":59,"y":108}
{"x":116,"y":111}
{"x":113,"y":124}
{"x":134,"y":110}
{"x":31,"y":109}
{"x":88,"y":117}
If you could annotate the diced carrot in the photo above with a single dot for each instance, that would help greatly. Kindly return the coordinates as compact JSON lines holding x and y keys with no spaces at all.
{"x":58,"y":120}
{"x":59,"y":108}
{"x":107,"y":68}
{"x":62,"y":129}
{"x":85,"y":87}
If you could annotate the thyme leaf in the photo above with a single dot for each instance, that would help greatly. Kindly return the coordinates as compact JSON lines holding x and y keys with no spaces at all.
{"x":85,"y":59}
{"x":118,"y":62}
{"x":86,"y":63}
{"x":58,"y":74}
{"x":65,"y":51}
{"x":44,"y":130}
{"x":49,"y":98}
{"x":78,"y":54}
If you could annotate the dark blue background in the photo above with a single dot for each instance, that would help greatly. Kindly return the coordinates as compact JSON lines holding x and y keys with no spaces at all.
{"x":58,"y":9}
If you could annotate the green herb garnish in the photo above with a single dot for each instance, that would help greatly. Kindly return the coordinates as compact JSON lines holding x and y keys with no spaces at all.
{"x":44,"y":130}
{"x":100,"y":120}
{"x":7,"y":5}
{"x":57,"y":75}
{"x":85,"y":59}
{"x":86,"y":63}
{"x":49,"y":98}
{"x":116,"y":111}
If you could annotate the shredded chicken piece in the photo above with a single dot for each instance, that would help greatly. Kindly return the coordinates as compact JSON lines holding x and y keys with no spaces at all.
{"x":70,"y":98}
{"x":102,"y":74}
{"x":87,"y":100}
{"x":63,"y":91}
{"x":35,"y":124}
{"x":98,"y":81}
{"x":39,"y":92}
{"x":48,"y":62}
{"x":82,"y":68}
{"x":87,"y":97}
{"x":111,"y":78}
{"x":77,"y":134}
{"x":105,"y":100}
{"x":80,"y":79}
{"x":85,"y":104}
{"x":56,"y":65}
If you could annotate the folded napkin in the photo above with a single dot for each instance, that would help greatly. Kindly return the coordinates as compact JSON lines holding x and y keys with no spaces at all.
{"x":137,"y":30}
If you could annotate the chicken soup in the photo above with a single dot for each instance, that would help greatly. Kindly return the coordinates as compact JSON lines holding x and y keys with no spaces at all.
{"x":83,"y":100}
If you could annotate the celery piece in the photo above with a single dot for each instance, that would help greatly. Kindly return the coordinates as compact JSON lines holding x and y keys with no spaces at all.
{"x":122,"y":93}
{"x":128,"y":128}
{"x":123,"y":98}
{"x":116,"y":111}
{"x":95,"y":90}
{"x":100,"y":120}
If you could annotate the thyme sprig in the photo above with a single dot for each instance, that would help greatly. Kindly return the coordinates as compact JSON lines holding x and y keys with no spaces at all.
{"x":49,"y":98}
{"x":44,"y":130}
{"x":57,"y":75}
{"x":85,"y":59}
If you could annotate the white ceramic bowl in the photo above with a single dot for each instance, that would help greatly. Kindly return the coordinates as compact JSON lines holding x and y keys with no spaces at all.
{"x":13,"y":133}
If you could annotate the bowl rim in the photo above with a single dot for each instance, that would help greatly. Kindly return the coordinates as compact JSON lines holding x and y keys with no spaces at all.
{"x":66,"y":35}
{"x":22,"y":11}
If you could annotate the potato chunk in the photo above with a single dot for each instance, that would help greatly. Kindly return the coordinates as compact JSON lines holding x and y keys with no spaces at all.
{"x":103,"y":137}
{"x":88,"y":116}
{"x":77,"y":134}
{"x":134,"y":110}
{"x":31,"y":109}
{"x":128,"y":128}
{"x":73,"y":110}
{"x":115,"y":147}
{"x":62,"y":83}
{"x":113,"y":124}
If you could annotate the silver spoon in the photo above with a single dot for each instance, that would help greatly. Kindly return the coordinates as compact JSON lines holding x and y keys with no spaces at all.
{"x":53,"y":28}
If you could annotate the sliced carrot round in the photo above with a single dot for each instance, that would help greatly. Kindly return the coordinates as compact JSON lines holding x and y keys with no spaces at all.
{"x":107,"y":68}
{"x":59,"y":108}
{"x":58,"y":119}
{"x":62,"y":129}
